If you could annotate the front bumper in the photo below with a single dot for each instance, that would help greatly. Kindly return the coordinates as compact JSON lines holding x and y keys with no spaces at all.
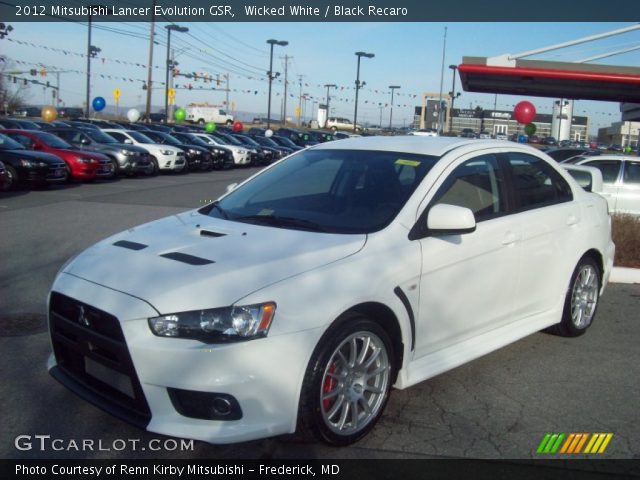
{"x":263,"y":376}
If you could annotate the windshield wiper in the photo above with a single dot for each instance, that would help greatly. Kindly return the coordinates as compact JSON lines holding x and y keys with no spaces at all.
{"x":206,"y":210}
{"x":277,"y":221}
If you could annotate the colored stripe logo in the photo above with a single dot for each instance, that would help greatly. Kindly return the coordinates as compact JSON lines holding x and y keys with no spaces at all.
{"x":572,"y":443}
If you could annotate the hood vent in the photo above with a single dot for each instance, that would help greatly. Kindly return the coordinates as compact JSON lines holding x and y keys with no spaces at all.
{"x":130,"y":245}
{"x":185,"y":258}
{"x":208,"y":233}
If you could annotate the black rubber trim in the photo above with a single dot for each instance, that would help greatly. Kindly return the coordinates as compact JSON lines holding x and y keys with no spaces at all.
{"x":98,"y":400}
{"x":130,"y":245}
{"x":186,"y":258}
{"x":405,"y":301}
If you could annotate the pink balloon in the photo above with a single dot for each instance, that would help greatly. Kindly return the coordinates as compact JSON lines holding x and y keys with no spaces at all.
{"x":524,"y":112}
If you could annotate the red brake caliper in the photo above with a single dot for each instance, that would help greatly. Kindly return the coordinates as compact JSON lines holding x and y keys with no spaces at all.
{"x":329,"y":384}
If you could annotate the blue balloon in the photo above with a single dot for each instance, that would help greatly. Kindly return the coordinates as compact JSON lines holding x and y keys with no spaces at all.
{"x":99,"y":103}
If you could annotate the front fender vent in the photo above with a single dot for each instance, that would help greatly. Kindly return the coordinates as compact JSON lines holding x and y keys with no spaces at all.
{"x":130,"y":245}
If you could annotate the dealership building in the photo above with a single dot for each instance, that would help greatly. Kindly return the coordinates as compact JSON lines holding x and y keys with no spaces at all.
{"x":561,"y":123}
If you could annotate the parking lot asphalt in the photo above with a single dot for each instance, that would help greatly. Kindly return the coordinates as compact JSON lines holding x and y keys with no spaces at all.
{"x":499,"y":406}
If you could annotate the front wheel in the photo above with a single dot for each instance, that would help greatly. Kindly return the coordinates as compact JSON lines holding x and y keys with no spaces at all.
{"x":12,"y":179}
{"x":581,"y":301}
{"x":347,"y":383}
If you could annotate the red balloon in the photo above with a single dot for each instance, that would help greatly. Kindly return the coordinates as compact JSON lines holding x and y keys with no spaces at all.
{"x":524,"y":112}
{"x":237,"y":126}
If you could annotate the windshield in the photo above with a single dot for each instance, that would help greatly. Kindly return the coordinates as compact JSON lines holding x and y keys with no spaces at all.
{"x":335,"y":191}
{"x":7,"y":143}
{"x":266,"y":141}
{"x":53,"y":141}
{"x":139,"y":137}
{"x":193,"y":139}
{"x":284,"y":141}
{"x":99,"y":136}
{"x":227,"y":139}
{"x":247,"y":140}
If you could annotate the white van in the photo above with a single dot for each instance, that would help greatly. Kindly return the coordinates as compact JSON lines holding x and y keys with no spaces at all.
{"x":202,"y":114}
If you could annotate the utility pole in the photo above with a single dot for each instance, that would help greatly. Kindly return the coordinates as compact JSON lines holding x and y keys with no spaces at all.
{"x":286,"y":66}
{"x":300,"y":102}
{"x":228,"y":107}
{"x":150,"y":66}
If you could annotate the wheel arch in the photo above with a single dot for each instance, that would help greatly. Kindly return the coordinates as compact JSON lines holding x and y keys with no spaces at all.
{"x":597,"y":257}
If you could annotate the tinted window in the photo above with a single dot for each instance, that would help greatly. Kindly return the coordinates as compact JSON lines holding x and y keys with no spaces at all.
{"x":609,"y":168}
{"x":22,"y":139}
{"x":337,"y":191}
{"x":632,"y":173}
{"x":477,"y":184}
{"x":536,"y":183}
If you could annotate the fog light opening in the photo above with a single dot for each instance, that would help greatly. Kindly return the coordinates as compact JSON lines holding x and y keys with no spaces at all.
{"x":221,"y":406}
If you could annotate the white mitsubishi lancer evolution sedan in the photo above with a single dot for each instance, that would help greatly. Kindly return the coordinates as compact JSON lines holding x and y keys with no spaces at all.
{"x":297,"y":300}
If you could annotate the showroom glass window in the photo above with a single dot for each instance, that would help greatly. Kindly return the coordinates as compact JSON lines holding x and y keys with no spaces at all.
{"x":536,"y":183}
{"x":478,"y":185}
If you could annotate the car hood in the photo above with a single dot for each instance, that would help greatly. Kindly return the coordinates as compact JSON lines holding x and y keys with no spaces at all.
{"x":174,"y":266}
{"x":33,"y":155}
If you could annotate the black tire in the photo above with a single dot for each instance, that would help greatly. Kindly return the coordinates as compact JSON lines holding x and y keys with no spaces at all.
{"x":201,"y":121}
{"x":156,"y":166}
{"x":116,"y":168}
{"x":12,"y":179}
{"x":581,"y":301}
{"x":346,"y":388}
{"x":229,"y":122}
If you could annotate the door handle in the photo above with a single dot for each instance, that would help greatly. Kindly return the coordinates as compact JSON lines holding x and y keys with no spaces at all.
{"x":509,"y":238}
{"x":572,"y":220}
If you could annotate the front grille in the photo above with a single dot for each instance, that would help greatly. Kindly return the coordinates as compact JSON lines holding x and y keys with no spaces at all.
{"x":57,"y":171}
{"x":89,"y":347}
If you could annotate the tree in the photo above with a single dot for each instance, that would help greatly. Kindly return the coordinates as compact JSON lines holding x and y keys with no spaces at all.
{"x":12,"y":95}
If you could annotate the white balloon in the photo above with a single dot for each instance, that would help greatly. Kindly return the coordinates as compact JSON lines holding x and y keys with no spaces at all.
{"x":133,"y":115}
{"x":268,"y":133}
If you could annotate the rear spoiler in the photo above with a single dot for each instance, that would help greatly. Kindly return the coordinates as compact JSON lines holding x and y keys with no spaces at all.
{"x":589,"y":178}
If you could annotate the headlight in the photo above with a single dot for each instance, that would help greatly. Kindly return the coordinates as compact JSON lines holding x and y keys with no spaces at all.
{"x":217,"y":324}
{"x":241,"y":151}
{"x":166,"y":152}
{"x":32,"y":163}
{"x":193,"y":151}
{"x":87,"y":160}
{"x":127,"y":152}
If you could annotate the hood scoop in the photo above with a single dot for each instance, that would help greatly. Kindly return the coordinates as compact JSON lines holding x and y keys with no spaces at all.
{"x":186,"y":258}
{"x":209,"y":233}
{"x":130,"y":245}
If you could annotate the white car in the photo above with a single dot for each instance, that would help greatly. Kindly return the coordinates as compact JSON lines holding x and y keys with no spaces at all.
{"x":620,"y":180}
{"x":298,"y":299}
{"x":241,"y":155}
{"x":164,"y":157}
{"x":427,"y":132}
{"x":340,"y":123}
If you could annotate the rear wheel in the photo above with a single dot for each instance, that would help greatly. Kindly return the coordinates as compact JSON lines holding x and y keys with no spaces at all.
{"x":581,"y":301}
{"x":347,"y":383}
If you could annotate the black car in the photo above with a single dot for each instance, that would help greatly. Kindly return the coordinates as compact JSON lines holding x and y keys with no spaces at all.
{"x":127,"y":159}
{"x":28,"y":112}
{"x":267,"y":142}
{"x":549,"y":141}
{"x":320,"y":136}
{"x":140,"y":127}
{"x":24,"y":166}
{"x":285,"y":142}
{"x":300,"y":138}
{"x":18,"y":123}
{"x":3,"y":176}
{"x":98,"y":123}
{"x":198,"y":158}
{"x":266,"y":155}
{"x":221,"y":157}
{"x":562,"y":154}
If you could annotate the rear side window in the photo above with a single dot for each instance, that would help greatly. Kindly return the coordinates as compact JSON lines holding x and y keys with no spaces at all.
{"x":609,"y":168}
{"x":632,"y":173}
{"x":536,"y":183}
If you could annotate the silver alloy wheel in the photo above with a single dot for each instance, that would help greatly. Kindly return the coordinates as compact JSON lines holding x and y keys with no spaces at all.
{"x":584,"y":296}
{"x":355,"y":383}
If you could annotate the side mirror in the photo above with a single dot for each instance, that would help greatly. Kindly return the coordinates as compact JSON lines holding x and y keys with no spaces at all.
{"x":84,"y":141}
{"x":444,"y":219}
{"x":231,"y":187}
{"x":589,"y":178}
{"x":128,"y":141}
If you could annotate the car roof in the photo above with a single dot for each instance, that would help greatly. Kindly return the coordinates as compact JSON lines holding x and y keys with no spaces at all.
{"x":624,"y":158}
{"x":436,"y":146}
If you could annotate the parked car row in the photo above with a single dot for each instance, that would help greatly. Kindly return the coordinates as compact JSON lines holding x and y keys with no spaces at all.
{"x":90,"y":149}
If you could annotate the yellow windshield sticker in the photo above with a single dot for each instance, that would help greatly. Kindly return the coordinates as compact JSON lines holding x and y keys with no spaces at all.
{"x":408,"y":163}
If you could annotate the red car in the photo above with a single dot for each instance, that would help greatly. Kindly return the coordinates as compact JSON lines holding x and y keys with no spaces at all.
{"x":82,"y":165}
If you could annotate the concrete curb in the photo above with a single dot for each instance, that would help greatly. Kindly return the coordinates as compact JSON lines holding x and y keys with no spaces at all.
{"x":625,"y":275}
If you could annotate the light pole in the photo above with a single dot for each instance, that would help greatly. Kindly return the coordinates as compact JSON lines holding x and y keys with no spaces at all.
{"x":170,"y":28}
{"x":92,"y":51}
{"x":453,"y":96}
{"x":272,"y":42}
{"x":328,"y":86}
{"x":393,"y":88}
{"x":359,"y":86}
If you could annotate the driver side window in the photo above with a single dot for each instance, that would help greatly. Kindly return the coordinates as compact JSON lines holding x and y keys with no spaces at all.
{"x":478,"y":185}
